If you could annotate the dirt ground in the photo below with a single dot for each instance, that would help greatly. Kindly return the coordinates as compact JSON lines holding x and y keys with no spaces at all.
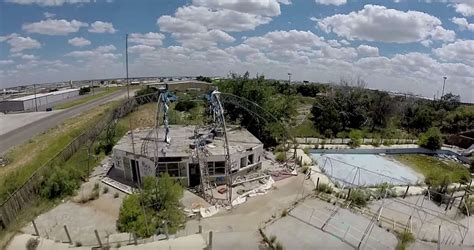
{"x":81,"y":219}
{"x":241,"y":223}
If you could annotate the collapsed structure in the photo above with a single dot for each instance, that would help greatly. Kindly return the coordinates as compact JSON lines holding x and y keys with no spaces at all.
{"x":208,"y":157}
{"x":178,"y":157}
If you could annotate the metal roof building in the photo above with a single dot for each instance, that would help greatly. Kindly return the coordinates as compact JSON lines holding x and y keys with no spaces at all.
{"x":42,"y":101}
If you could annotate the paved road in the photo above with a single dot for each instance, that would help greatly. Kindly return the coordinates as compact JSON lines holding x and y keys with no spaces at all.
{"x":20,"y":135}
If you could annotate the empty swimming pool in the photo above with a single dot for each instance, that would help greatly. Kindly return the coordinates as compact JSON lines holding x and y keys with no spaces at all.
{"x":365,"y":169}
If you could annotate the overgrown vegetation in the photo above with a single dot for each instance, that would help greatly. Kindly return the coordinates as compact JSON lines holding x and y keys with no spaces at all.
{"x":404,"y":239}
{"x":41,"y":148}
{"x":469,"y":208}
{"x":84,"y":90}
{"x":436,"y":172}
{"x":85,"y":99}
{"x":431,"y":139}
{"x":156,"y":209}
{"x":324,"y":188}
{"x":358,"y":197}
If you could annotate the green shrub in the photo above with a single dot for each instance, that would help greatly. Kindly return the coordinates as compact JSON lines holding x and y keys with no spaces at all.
{"x":284,"y":213}
{"x":59,"y":183}
{"x":376,"y":141}
{"x":78,"y":244}
{"x":404,"y":239}
{"x":355,"y":138}
{"x":431,"y":139}
{"x":324,"y":188}
{"x":280,"y":157}
{"x":306,"y":150}
{"x":105,"y":190}
{"x":158,"y":202}
{"x":32,"y":244}
{"x":358,"y":197}
{"x":469,"y":208}
{"x":185,"y":105}
{"x":116,"y":195}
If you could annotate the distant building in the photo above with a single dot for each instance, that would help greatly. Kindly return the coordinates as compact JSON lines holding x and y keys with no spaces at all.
{"x":177,"y":158}
{"x":42,"y":101}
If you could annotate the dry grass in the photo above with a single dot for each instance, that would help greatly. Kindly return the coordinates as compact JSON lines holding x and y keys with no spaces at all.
{"x":26,"y":158}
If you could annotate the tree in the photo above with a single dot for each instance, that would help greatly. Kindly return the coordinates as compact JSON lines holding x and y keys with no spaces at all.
{"x":431,"y":139}
{"x":450,"y":102}
{"x":355,"y":138}
{"x":381,"y":109}
{"x":185,"y":105}
{"x":154,"y":210}
{"x":204,"y":79}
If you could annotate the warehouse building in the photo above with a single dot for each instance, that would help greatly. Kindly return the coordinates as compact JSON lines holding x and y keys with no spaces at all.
{"x":42,"y":101}
{"x":178,"y":157}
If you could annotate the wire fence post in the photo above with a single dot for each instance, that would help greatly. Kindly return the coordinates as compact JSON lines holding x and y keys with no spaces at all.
{"x":210,"y":240}
{"x":36,"y":228}
{"x":67,"y":234}
{"x":439,"y":237}
{"x":98,"y":238}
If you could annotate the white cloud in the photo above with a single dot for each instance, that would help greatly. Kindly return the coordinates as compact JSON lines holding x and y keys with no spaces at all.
{"x":222,"y":19}
{"x":377,"y":23}
{"x":331,"y":2}
{"x":463,"y":23}
{"x":459,"y":51}
{"x":18,"y":43}
{"x":49,"y":15}
{"x":47,"y":2}
{"x":367,"y":51}
{"x":140,"y":49}
{"x":102,"y":27}
{"x":28,"y":57}
{"x":79,"y":41}
{"x":465,"y":7}
{"x":286,"y":40}
{"x":54,"y":27}
{"x":6,"y":62}
{"x":257,"y":7}
{"x":150,"y":38}
{"x":204,"y":39}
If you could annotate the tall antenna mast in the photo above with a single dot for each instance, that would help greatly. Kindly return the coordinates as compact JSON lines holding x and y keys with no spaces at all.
{"x":128,"y":93}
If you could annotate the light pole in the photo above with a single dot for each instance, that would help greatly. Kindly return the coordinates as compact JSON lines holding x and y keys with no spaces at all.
{"x":289,"y":78}
{"x":444,"y":83}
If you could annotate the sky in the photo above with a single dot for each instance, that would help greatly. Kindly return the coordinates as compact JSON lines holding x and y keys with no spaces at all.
{"x":397,"y":45}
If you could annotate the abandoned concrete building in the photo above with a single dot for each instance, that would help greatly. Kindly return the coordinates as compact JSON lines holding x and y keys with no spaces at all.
{"x":178,"y":157}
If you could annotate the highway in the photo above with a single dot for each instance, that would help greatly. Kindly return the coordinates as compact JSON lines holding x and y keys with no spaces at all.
{"x":21,"y":134}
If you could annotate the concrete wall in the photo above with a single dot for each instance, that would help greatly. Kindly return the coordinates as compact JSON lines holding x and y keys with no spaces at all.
{"x":311,"y":140}
{"x":147,"y":166}
{"x":390,"y":151}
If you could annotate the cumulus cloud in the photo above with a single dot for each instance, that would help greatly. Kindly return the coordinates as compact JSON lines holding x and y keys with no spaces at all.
{"x":54,"y":27}
{"x":222,"y":19}
{"x":150,"y":38}
{"x":6,"y":62}
{"x":377,"y":23}
{"x":18,"y":43}
{"x":79,"y":41}
{"x":367,"y":51}
{"x":102,"y":27}
{"x":47,"y":2}
{"x":206,"y":23}
{"x":465,"y":7}
{"x":331,"y":2}
{"x":459,"y":51}
{"x":140,"y":49}
{"x":49,"y":15}
{"x":257,"y":7}
{"x":463,"y":24}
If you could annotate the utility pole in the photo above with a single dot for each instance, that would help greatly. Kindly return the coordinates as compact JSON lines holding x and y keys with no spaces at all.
{"x":289,"y":78}
{"x":444,"y":83}
{"x":36,"y":103}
